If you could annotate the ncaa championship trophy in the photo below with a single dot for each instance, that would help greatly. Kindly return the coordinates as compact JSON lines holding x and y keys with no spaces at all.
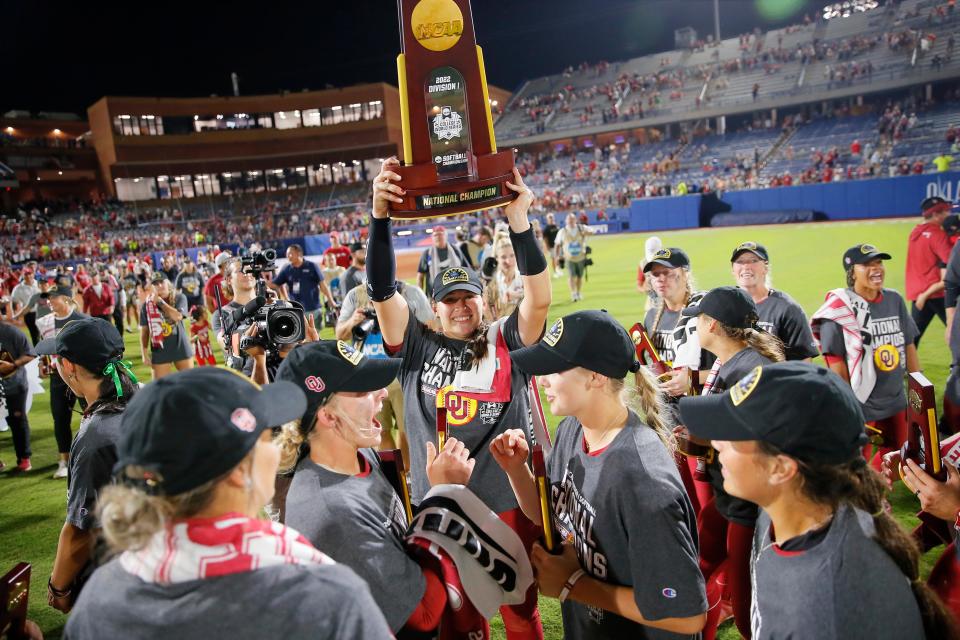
{"x":450,"y":160}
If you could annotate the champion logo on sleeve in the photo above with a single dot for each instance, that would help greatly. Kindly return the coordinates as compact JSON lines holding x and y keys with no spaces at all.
{"x":669,"y":593}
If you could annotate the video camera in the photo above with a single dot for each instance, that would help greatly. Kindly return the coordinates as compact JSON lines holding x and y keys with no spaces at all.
{"x":279,"y":322}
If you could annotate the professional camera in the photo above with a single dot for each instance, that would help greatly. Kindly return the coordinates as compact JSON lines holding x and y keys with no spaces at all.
{"x":488,"y":268}
{"x":279,"y":322}
{"x":367,"y":326}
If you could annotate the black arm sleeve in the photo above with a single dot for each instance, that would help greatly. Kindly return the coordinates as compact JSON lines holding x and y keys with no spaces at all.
{"x":530,"y":260}
{"x":381,"y":262}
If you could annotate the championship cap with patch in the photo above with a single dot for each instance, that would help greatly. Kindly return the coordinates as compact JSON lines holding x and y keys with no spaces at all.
{"x":805,"y":411}
{"x":589,"y":339}
{"x":326,"y":367}
{"x":91,"y":343}
{"x":193,"y":426}
{"x":862,"y":254}
{"x":456,"y":279}
{"x":730,"y":305}
{"x":671,"y":257}
{"x":750,"y":247}
{"x":934,"y":204}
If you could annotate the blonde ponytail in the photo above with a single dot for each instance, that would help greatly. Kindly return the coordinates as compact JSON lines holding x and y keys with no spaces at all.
{"x":645,"y":399}
{"x":292,"y":444}
{"x":766,"y":344}
{"x":130,"y":517}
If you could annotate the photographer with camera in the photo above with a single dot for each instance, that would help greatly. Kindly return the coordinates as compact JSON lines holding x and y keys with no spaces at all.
{"x":304,"y":283}
{"x":572,"y":249}
{"x":460,"y":362}
{"x":358,"y":324}
{"x":254,"y":330}
{"x":163,"y":337}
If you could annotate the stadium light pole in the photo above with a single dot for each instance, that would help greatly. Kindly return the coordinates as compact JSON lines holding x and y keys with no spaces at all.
{"x":716,"y":20}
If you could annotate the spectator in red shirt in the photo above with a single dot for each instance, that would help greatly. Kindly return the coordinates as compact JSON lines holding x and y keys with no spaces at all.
{"x":342,"y":253}
{"x":928,"y":252}
{"x":99,"y":299}
{"x":215,"y":283}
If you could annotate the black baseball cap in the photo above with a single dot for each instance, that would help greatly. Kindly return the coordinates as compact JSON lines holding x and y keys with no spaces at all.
{"x":730,"y":305}
{"x":456,"y":279}
{"x":91,"y":343}
{"x":193,"y":426}
{"x":935,"y":202}
{"x":756,"y":249}
{"x":862,"y":254}
{"x":589,"y":339}
{"x":59,"y":290}
{"x":951,"y":224}
{"x":326,"y":367}
{"x":357,"y":246}
{"x":805,"y":411}
{"x":671,"y":257}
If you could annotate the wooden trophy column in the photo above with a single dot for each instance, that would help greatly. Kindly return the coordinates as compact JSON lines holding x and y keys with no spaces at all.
{"x":451,"y":162}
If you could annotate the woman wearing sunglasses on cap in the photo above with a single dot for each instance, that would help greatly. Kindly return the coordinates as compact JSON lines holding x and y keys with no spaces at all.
{"x":727,"y":327}
{"x":629,"y":567}
{"x":340,"y":496}
{"x":486,"y":398}
{"x":828,"y":559}
{"x":196,"y":466}
{"x":89,"y":356}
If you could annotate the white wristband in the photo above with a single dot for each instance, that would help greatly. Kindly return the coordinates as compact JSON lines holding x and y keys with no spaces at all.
{"x":568,"y":585}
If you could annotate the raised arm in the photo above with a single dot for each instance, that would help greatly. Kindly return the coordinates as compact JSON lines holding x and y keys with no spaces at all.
{"x":537,"y":293}
{"x":392,"y":310}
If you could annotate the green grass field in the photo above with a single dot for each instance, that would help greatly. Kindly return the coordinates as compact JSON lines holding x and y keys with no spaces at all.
{"x":806,"y":262}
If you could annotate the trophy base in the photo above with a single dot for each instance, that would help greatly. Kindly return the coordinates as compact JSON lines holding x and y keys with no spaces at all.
{"x":429,"y":197}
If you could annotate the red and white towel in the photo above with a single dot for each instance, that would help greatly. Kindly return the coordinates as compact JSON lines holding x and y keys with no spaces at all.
{"x":852,"y":314}
{"x":199,"y":548}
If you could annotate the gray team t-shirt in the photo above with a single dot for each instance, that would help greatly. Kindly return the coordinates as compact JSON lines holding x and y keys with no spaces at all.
{"x":951,"y":281}
{"x":821,"y":592}
{"x":890,"y":324}
{"x":663,"y":338}
{"x":359,"y":521}
{"x":14,"y":345}
{"x":92,"y":456}
{"x":430,"y":361}
{"x":284,"y":601}
{"x":733,"y":509}
{"x":176,"y":345}
{"x":781,"y":316}
{"x":632,"y":524}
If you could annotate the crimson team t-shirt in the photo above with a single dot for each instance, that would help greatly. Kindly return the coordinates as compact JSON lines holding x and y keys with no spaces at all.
{"x":928,"y":251}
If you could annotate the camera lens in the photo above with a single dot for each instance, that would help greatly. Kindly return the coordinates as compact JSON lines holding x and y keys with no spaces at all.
{"x":269,"y":255}
{"x":285,"y":326}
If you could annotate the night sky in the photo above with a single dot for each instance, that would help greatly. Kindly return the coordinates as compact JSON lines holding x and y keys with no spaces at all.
{"x":65,"y":57}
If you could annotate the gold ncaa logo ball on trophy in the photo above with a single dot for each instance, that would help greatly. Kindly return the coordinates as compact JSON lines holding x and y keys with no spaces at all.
{"x":450,"y":160}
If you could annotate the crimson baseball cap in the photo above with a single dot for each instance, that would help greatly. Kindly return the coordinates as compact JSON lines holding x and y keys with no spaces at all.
{"x":935,"y":204}
{"x":730,"y":305}
{"x":91,"y":343}
{"x":321,"y":369}
{"x":862,"y":254}
{"x":456,"y":279}
{"x":191,"y":427}
{"x":805,"y":411}
{"x":671,"y":257}
{"x":589,"y":339}
{"x":750,"y":247}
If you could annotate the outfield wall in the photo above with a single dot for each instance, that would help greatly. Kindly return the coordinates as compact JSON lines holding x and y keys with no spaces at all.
{"x":876,"y":198}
